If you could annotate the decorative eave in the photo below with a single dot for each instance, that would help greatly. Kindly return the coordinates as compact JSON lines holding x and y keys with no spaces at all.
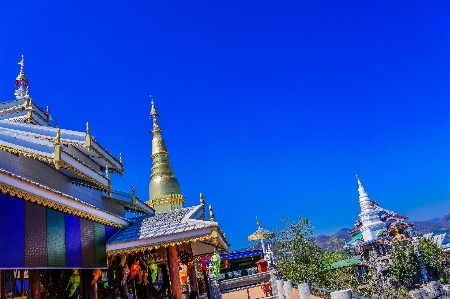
{"x":142,"y":245}
{"x":25,"y":189}
{"x":84,"y":142}
{"x":50,"y":153}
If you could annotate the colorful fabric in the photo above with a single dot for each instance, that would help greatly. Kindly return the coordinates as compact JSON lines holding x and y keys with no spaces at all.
{"x":12,"y":228}
{"x":100,"y":244}
{"x":35,"y":232}
{"x":56,"y":238}
{"x":32,"y":235}
{"x":73,"y":241}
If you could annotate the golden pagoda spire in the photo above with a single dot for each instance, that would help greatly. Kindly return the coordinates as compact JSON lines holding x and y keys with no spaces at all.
{"x":165,"y":192}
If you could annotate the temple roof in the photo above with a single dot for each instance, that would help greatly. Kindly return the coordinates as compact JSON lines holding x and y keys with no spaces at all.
{"x":166,"y":228}
{"x":79,"y":155}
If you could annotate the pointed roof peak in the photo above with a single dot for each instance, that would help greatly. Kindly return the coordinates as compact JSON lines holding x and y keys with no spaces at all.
{"x":21,"y":79}
{"x":153,"y":112}
{"x":365,"y":202}
{"x":154,"y":115}
{"x":361,"y":189}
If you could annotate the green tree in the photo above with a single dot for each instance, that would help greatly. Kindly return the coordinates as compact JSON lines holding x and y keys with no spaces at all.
{"x":300,"y":259}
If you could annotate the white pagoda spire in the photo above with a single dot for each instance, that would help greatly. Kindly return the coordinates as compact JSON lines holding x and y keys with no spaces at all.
{"x":364,"y":200}
{"x":371,"y":224}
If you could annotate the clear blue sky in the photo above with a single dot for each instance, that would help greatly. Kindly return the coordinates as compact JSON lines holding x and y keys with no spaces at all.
{"x":268,"y":107}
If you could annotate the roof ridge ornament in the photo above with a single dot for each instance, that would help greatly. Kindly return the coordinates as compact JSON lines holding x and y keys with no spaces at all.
{"x":21,"y":79}
{"x":211,"y":214}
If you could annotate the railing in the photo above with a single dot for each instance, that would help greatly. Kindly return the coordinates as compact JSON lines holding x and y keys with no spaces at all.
{"x":331,"y":291}
{"x":256,"y":280}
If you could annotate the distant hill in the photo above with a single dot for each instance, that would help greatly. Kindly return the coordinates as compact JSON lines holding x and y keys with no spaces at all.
{"x":337,"y":241}
{"x":433,"y":226}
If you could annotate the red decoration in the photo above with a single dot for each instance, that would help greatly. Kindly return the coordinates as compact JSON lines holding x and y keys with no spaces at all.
{"x":134,"y":269}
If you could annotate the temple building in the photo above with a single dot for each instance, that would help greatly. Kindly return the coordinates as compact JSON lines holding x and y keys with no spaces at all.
{"x":63,"y":228}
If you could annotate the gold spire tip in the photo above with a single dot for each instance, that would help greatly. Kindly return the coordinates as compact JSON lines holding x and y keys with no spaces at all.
{"x":133,"y":191}
{"x":202,"y":200}
{"x":153,"y":112}
{"x":88,"y":130}
{"x":120,"y":155}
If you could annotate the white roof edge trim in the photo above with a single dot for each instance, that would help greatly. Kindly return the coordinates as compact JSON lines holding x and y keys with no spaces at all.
{"x":61,"y":198}
{"x":159,"y":239}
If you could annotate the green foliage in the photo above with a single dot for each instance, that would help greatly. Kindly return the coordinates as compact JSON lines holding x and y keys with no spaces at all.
{"x":300,"y":259}
{"x":431,"y":255}
{"x":405,"y":265}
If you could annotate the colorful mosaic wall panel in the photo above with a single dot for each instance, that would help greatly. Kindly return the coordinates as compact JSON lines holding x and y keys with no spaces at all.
{"x":33,"y":236}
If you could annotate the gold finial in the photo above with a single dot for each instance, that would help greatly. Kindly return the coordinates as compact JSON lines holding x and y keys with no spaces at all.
{"x":258,"y":222}
{"x":58,"y":137}
{"x":107,"y":171}
{"x":47,"y":111}
{"x":202,"y":200}
{"x":56,"y":123}
{"x":88,"y":130}
{"x":211,"y":213}
{"x":133,"y":196}
{"x":120,"y":155}
{"x":154,"y":115}
{"x":153,"y":112}
{"x":29,"y":101}
{"x":225,"y":235}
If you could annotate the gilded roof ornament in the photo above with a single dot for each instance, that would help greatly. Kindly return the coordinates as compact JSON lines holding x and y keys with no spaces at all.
{"x":133,"y":197}
{"x":211,"y":214}
{"x":120,"y":158}
{"x":202,"y":200}
{"x":56,"y":123}
{"x":107,"y":171}
{"x":58,"y":137}
{"x":88,"y":130}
